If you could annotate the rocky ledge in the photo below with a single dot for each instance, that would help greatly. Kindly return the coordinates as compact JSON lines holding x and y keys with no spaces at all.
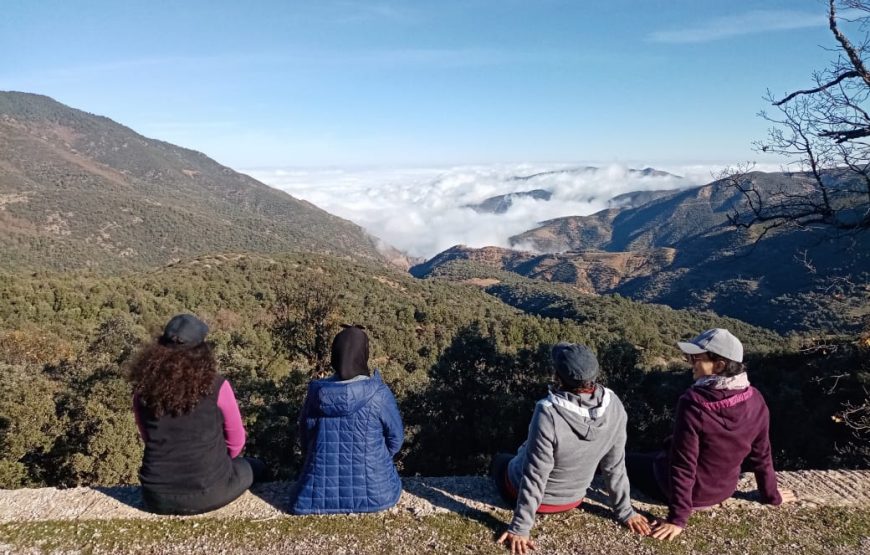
{"x":464,"y":495}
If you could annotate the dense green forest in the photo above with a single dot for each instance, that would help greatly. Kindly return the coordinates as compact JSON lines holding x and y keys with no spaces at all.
{"x":101,"y":230}
{"x":466,"y":363}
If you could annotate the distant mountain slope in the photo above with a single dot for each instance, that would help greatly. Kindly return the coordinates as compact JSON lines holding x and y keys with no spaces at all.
{"x":79,"y":190}
{"x":590,"y":272}
{"x":637,"y":198}
{"x":646,"y":172}
{"x":501,"y":203}
{"x":680,"y":250}
{"x":563,"y":301}
{"x":663,"y":221}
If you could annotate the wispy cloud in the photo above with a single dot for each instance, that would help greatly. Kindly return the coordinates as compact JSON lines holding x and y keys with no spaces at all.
{"x":756,"y":21}
{"x":374,"y":59}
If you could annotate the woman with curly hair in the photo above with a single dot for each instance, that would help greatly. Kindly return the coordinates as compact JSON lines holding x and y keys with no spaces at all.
{"x":190,"y":423}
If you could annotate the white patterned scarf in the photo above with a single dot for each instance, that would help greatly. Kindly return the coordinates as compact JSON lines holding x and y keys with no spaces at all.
{"x":740,"y":381}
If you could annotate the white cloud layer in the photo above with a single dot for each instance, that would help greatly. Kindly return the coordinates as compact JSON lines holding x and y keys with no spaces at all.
{"x":423,"y":211}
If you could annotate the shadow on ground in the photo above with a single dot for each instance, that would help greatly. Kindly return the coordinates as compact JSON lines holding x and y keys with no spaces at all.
{"x":130,"y":496}
{"x":467,"y":498}
{"x":275,"y":494}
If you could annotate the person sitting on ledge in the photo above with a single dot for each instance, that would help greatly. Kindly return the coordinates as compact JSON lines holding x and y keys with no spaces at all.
{"x":578,"y":428}
{"x":721,"y":424}
{"x":189,"y":420}
{"x":350,"y":429}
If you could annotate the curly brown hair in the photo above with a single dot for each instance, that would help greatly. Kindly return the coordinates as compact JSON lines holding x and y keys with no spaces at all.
{"x":173,"y":380}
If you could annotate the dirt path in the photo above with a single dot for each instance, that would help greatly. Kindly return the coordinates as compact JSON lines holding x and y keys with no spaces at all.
{"x":421,"y":497}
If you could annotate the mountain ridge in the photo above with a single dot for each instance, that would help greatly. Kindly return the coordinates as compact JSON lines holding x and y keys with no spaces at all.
{"x":499,"y":204}
{"x":679,"y":249}
{"x":80,"y":190}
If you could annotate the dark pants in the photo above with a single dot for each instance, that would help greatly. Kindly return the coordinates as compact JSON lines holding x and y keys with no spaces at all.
{"x":498,"y":471}
{"x":245,"y":471}
{"x":641,"y":475}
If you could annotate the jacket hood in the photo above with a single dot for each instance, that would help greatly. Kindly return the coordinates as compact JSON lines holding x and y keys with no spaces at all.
{"x":334,"y":398}
{"x":350,"y":353}
{"x":585,"y":414}
{"x":730,"y":407}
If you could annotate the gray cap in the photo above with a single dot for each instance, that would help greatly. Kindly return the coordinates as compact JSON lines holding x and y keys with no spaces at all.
{"x":718,"y":341}
{"x":574,"y":363}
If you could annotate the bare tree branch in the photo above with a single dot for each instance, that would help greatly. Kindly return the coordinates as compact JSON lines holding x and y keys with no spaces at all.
{"x":823,"y":130}
{"x":849,"y":135}
{"x":850,"y":50}
{"x":847,"y":75}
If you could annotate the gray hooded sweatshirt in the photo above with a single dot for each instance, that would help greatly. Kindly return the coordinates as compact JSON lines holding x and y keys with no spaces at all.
{"x":571,"y":436}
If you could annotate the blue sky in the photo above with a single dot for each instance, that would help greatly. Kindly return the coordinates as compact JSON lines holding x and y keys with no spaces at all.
{"x":348,"y":83}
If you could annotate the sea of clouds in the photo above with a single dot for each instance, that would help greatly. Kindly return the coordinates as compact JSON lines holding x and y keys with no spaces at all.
{"x":424,"y":211}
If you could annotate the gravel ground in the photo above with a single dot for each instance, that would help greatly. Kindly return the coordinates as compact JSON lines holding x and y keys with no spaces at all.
{"x":421,"y":497}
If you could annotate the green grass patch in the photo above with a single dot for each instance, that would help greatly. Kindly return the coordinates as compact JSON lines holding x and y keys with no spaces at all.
{"x":822,"y":530}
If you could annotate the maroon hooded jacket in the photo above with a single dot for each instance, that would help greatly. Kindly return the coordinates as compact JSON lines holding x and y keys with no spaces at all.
{"x":715,"y":431}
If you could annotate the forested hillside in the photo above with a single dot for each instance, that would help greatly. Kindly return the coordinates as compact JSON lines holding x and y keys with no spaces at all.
{"x":81,"y":191}
{"x":466,"y":363}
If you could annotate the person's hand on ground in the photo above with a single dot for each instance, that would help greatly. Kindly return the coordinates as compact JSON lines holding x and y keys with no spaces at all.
{"x":639,"y":525}
{"x":518,"y":544}
{"x":666,"y":531}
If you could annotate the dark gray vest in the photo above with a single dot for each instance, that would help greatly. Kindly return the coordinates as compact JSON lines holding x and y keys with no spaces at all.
{"x":186,"y":453}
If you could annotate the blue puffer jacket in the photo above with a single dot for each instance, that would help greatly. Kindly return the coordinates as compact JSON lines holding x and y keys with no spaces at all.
{"x":350,"y":432}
